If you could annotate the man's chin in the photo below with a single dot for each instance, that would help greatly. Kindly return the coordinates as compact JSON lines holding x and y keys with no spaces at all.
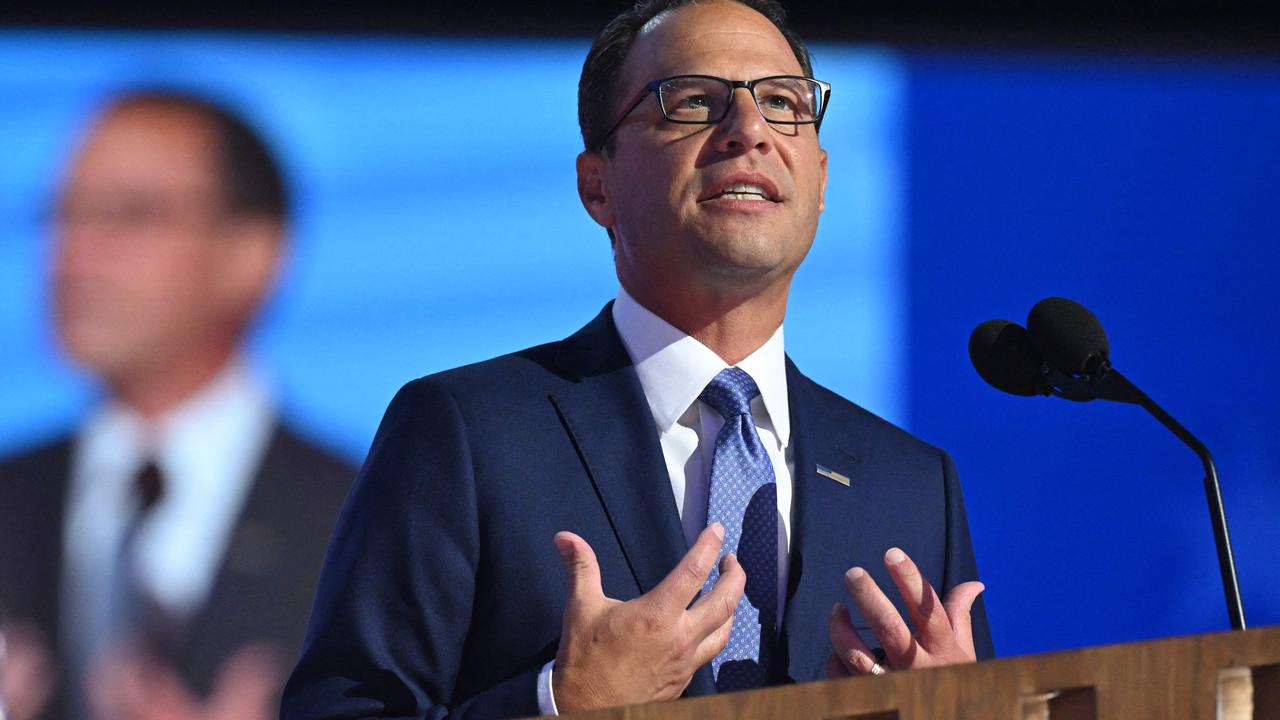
{"x":745,"y":259}
{"x":99,"y":353}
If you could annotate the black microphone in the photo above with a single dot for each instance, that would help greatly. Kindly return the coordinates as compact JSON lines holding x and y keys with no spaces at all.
{"x":1063,"y":351}
{"x":1069,"y":337}
{"x":1076,"y":353}
{"x":1003,"y":354}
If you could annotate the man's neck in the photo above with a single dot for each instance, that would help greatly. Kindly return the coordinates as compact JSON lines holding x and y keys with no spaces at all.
{"x":162,"y":389}
{"x":733,"y":325}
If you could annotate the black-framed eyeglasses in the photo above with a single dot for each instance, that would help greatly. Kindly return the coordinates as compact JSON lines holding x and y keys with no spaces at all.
{"x":705,"y":100}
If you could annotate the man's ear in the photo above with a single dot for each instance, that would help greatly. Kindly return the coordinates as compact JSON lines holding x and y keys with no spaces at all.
{"x":252,"y":253}
{"x":592,"y":188}
{"x":822,"y":187}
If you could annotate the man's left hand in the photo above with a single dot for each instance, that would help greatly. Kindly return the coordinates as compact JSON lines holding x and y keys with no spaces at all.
{"x":944,"y":633}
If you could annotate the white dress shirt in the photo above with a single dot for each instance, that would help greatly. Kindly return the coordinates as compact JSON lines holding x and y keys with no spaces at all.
{"x":674,"y":369}
{"x":207,"y":450}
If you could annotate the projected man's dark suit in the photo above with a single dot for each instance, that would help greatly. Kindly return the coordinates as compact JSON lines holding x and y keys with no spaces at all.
{"x":266,"y":578}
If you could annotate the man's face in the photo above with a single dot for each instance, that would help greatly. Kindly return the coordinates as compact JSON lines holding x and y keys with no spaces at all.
{"x":145,"y":270}
{"x":665,"y":183}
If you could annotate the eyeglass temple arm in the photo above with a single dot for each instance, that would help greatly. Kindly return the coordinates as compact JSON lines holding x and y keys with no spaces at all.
{"x":635,"y":102}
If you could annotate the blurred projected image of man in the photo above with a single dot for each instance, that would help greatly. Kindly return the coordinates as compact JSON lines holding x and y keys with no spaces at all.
{"x":160,"y":560}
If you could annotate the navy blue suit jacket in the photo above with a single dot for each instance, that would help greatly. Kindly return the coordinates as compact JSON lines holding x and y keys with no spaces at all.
{"x":442,"y":593}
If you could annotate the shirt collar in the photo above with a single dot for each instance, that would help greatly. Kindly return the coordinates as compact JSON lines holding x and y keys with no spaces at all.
{"x":113,"y":442}
{"x":118,"y":438}
{"x":207,"y":449}
{"x":675,"y":368}
{"x":197,"y":445}
{"x":228,"y":414}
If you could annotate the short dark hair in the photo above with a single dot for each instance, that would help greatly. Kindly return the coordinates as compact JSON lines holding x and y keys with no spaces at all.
{"x":602,"y":69}
{"x":250,"y":177}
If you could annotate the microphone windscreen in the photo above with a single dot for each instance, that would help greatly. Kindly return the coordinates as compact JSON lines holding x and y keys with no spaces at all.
{"x":1067,"y":335}
{"x":1003,"y":354}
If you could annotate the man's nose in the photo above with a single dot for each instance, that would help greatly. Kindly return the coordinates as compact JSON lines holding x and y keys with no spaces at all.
{"x":744,"y":127}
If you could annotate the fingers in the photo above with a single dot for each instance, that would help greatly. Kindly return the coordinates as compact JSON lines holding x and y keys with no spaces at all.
{"x":582,"y":570}
{"x":112,"y":681}
{"x":683,"y":584}
{"x":958,"y":604}
{"x":853,"y":655}
{"x":923,"y":605}
{"x":165,"y":696}
{"x":836,"y":669}
{"x":944,"y":629}
{"x":882,"y":616}
{"x":246,"y":685}
{"x":713,"y":609}
{"x":712,"y":644}
{"x":712,"y":615}
{"x":125,"y":684}
{"x":27,"y":671}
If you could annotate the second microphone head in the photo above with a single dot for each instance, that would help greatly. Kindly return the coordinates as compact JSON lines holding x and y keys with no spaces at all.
{"x":1068,"y":336}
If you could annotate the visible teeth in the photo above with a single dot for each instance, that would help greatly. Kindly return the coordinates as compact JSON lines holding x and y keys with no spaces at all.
{"x":744,"y":191}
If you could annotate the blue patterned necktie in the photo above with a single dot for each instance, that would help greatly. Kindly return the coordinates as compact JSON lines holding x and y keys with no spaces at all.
{"x":744,"y":499}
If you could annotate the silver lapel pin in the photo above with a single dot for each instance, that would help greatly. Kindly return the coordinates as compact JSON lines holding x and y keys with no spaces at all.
{"x":829,"y":473}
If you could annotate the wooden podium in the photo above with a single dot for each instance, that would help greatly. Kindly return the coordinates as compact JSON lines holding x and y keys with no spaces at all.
{"x":1228,"y":675}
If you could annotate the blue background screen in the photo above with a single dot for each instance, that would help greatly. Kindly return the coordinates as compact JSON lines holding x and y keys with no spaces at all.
{"x":962,"y":187}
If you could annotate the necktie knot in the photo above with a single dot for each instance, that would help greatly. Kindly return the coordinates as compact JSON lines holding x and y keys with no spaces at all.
{"x":730,"y":393}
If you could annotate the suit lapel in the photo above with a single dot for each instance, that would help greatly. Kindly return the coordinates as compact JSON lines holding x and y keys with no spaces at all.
{"x":251,"y":573}
{"x":826,"y":534}
{"x":609,"y":421}
{"x":266,"y":578}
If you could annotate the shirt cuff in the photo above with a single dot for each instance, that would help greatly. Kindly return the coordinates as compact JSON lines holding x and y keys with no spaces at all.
{"x":546,"y":698}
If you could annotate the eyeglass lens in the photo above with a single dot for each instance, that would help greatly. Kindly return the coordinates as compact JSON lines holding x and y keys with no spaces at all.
{"x":700,"y":99}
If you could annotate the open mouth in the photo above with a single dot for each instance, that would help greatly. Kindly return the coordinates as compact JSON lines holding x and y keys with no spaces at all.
{"x":743,"y":191}
{"x":753,"y":188}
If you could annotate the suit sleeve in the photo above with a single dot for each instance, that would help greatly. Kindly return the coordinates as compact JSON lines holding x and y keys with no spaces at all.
{"x":394,"y":603}
{"x":961,"y":565}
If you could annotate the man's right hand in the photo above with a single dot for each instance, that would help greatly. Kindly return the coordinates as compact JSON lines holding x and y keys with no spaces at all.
{"x":27,"y":672}
{"x":647,"y":649}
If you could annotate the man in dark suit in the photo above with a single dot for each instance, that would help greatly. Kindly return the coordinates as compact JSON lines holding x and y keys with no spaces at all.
{"x":161,"y":560}
{"x":713,"y":509}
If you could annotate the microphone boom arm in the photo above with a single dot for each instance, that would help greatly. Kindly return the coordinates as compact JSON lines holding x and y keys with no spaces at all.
{"x":1063,"y":352}
{"x":1113,"y":384}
